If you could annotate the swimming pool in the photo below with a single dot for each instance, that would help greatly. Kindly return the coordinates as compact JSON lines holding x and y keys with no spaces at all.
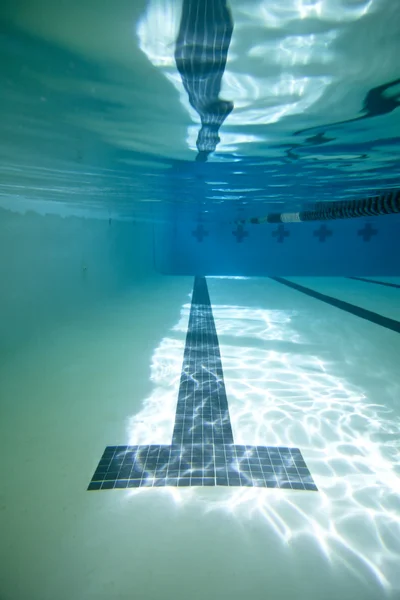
{"x":199,"y":338}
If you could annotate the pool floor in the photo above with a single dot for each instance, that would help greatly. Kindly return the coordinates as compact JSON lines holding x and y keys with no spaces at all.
{"x":298,"y":372}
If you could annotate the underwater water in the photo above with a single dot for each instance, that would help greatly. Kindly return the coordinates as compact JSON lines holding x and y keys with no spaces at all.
{"x":200,"y":299}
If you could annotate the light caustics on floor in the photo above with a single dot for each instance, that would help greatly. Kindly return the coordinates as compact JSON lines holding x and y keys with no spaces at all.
{"x":279,"y":86}
{"x":290,"y":396}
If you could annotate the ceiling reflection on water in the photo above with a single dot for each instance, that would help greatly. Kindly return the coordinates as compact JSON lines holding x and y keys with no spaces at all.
{"x":96,"y":119}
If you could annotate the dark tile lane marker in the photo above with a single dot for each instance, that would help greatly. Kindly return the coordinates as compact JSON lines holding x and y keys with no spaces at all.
{"x":202,"y":452}
{"x":386,"y":283}
{"x":363,"y":313}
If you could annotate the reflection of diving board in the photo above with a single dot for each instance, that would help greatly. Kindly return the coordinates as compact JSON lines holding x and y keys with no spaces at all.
{"x":202,"y":450}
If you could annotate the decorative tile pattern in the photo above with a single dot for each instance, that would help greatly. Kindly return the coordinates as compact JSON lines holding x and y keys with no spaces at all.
{"x":323,"y":233}
{"x":240,"y":233}
{"x":280,"y":233}
{"x":199,"y":233}
{"x":367,"y":232}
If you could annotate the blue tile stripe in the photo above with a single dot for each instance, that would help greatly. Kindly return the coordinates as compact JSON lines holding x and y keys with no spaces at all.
{"x":363,"y":313}
{"x":202,"y":414}
{"x":202,"y":452}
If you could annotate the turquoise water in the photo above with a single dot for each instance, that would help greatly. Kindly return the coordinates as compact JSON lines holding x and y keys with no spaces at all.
{"x":96,"y":120}
{"x":106,"y":216}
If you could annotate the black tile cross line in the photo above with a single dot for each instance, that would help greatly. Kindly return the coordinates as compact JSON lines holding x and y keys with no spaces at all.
{"x":202,"y":452}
